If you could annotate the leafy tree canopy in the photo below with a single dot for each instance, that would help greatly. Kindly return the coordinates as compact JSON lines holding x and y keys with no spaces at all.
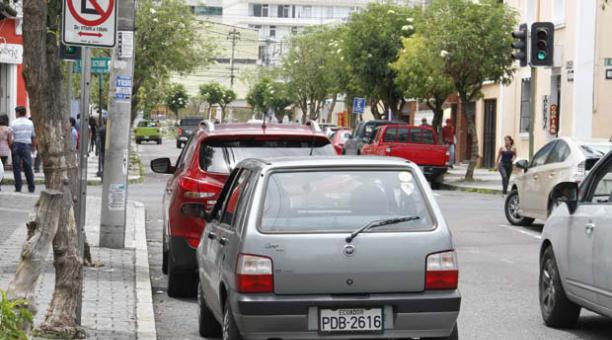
{"x":176,"y":98}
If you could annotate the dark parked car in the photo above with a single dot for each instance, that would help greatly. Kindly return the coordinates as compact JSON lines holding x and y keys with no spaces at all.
{"x":186,"y":128}
{"x":327,"y":248}
{"x":200,"y":173}
{"x":363,"y":134}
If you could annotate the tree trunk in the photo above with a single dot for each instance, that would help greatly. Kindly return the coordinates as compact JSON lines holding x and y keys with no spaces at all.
{"x":43,"y":78}
{"x":331,"y":108}
{"x":374,"y":109}
{"x":469,"y":117}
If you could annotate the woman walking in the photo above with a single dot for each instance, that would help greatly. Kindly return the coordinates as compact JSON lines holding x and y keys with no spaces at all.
{"x":505,"y":161}
{"x":6,"y":140}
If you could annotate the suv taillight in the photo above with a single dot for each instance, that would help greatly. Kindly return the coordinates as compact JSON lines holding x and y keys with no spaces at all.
{"x":442,"y":271}
{"x":254,"y":274}
{"x":193,"y":189}
{"x":180,"y":131}
{"x":580,"y":172}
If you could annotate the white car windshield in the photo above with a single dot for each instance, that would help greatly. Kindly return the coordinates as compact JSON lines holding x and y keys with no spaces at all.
{"x":340,"y":201}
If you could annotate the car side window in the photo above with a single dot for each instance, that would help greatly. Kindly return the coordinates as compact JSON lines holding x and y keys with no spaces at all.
{"x":541,"y":156}
{"x":402,"y":136}
{"x":230,"y":206}
{"x":559,"y":154}
{"x":186,"y":153}
{"x":602,"y":186}
{"x":390,"y":135}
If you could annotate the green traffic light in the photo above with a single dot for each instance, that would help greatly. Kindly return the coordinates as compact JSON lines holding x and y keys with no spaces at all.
{"x":541,"y":55}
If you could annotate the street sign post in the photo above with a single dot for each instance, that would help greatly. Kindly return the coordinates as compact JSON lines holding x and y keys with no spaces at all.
{"x":89,"y":23}
{"x":359,"y":105}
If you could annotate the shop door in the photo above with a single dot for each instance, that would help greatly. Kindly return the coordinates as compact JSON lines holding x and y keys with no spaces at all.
{"x":488,"y":140}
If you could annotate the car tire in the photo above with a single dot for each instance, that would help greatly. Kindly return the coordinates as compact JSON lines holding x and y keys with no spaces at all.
{"x":159,"y":141}
{"x":164,"y":255}
{"x":138,"y":141}
{"x":180,"y":283}
{"x":511,"y":209}
{"x":208,"y":326}
{"x":453,"y":336}
{"x":178,"y":145}
{"x":436,"y":182}
{"x":230,"y":329}
{"x":557,"y":310}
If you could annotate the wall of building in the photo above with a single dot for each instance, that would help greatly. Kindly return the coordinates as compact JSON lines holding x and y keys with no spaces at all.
{"x":12,"y":89}
{"x":602,"y":117}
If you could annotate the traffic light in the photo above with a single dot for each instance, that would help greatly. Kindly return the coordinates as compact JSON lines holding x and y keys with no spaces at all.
{"x":542,"y":43}
{"x":520,"y":45}
{"x":69,"y":52}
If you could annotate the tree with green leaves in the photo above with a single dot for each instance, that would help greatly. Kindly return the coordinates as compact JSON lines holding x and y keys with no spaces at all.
{"x":215,"y":93}
{"x":371,"y":44}
{"x":167,"y":42}
{"x":420,"y":74}
{"x":474,"y":40}
{"x":228,"y":96}
{"x":268,"y":94}
{"x":176,"y":98}
{"x":310,"y":68}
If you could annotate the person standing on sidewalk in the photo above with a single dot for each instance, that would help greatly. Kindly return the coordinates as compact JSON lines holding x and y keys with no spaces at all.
{"x":93,"y":137}
{"x":448,"y":136}
{"x":505,"y":161}
{"x":24,"y":141}
{"x":6,"y":140}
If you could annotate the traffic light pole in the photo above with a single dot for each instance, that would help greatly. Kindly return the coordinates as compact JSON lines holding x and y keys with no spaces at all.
{"x":533,"y":107}
{"x":116,"y":162}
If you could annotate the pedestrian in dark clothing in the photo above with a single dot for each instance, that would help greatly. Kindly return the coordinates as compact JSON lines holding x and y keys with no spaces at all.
{"x":101,"y":147}
{"x":505,"y":161}
{"x":92,"y":134}
{"x":24,"y":141}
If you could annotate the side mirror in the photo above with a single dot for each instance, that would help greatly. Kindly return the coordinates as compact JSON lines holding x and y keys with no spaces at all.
{"x":162,"y":166}
{"x":196,"y":210}
{"x":522,"y":164}
{"x":566,"y":192}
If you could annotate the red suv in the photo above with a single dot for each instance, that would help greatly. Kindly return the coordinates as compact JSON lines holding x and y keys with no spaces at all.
{"x":200,"y":173}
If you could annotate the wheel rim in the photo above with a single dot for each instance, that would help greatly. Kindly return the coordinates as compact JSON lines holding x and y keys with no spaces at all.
{"x":547,"y":289}
{"x":226,"y":321}
{"x":513,"y":207}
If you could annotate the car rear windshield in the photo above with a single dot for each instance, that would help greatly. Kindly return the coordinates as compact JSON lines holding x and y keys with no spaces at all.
{"x":190,"y":121}
{"x":222,"y":156}
{"x":595,"y":150}
{"x":342,"y":201}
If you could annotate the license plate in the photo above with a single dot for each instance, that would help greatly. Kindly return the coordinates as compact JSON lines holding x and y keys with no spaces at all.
{"x":351,"y":320}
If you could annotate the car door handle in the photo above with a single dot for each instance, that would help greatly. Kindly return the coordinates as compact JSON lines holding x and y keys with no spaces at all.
{"x":211,"y":236}
{"x":222,"y":240}
{"x":588,"y":229}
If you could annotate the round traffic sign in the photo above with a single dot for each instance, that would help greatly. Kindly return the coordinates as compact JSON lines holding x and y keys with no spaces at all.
{"x":104,"y":14}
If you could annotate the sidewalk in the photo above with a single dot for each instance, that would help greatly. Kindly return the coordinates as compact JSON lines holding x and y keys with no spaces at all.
{"x":485,"y":180}
{"x":117,"y":298}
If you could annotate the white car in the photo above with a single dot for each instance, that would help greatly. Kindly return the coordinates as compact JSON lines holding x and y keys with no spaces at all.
{"x":575,"y":261}
{"x":560,"y":160}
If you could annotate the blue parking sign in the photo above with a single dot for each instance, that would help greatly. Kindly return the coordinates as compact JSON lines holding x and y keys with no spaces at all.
{"x":359,"y":105}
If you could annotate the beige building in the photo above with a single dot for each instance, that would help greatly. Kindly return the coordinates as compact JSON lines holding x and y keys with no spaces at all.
{"x":577,"y":89}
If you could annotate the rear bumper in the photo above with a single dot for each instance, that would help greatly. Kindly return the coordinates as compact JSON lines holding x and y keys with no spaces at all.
{"x":184,"y":256}
{"x":432,"y":172}
{"x":428,"y":314}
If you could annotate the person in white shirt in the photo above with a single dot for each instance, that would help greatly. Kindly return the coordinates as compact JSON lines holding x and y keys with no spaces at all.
{"x":24,"y":141}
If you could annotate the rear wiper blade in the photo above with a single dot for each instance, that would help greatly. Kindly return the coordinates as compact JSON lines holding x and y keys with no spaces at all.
{"x":380,"y":223}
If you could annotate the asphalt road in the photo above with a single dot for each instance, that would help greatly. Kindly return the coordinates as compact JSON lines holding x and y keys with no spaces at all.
{"x":498,"y":265}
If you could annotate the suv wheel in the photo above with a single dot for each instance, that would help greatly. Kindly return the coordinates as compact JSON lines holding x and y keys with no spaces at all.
{"x":164,"y":255}
{"x":230,"y":330}
{"x":180,"y":283}
{"x":178,"y":145}
{"x":557,"y":310}
{"x":512,"y":210}
{"x":207,"y":324}
{"x":454,"y":335}
{"x":159,"y":141}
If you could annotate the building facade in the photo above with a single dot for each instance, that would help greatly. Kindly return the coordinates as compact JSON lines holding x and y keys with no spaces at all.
{"x":573,"y":98}
{"x":12,"y":85}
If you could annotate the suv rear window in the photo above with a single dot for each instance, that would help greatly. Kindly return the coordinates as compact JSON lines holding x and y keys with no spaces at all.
{"x":422,"y":136}
{"x":342,"y":201}
{"x":190,"y":121}
{"x":222,"y":156}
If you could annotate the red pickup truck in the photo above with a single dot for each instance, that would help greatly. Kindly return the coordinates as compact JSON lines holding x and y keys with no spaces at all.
{"x":418,"y":144}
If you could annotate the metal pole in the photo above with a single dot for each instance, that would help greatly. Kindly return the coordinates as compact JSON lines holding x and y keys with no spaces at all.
{"x":116,"y":160}
{"x":83,"y":142}
{"x":533,"y":104}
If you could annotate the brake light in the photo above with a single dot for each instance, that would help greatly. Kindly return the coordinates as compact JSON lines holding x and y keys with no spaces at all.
{"x":254,"y":274}
{"x":194,"y":189}
{"x":442,"y":271}
{"x":180,"y":131}
{"x":580,"y":173}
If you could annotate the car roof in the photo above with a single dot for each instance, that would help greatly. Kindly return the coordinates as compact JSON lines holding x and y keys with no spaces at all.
{"x":249,"y":129}
{"x":325,"y":162}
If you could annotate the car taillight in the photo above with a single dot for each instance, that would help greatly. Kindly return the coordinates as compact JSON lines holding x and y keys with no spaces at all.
{"x":442,"y":271}
{"x":580,"y":173}
{"x":254,"y":274}
{"x":180,"y":131}
{"x":194,"y":189}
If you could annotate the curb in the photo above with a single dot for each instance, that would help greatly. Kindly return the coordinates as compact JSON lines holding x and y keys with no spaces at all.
{"x":145,"y":317}
{"x":455,"y":187}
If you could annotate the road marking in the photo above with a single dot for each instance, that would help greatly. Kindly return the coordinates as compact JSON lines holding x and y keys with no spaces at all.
{"x":522,"y":231}
{"x":15,"y":210}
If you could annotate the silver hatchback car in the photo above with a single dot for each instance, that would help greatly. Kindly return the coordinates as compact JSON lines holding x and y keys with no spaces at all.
{"x":326,"y":248}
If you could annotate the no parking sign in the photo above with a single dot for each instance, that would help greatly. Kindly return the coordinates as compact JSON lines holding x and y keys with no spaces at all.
{"x":89,"y":22}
